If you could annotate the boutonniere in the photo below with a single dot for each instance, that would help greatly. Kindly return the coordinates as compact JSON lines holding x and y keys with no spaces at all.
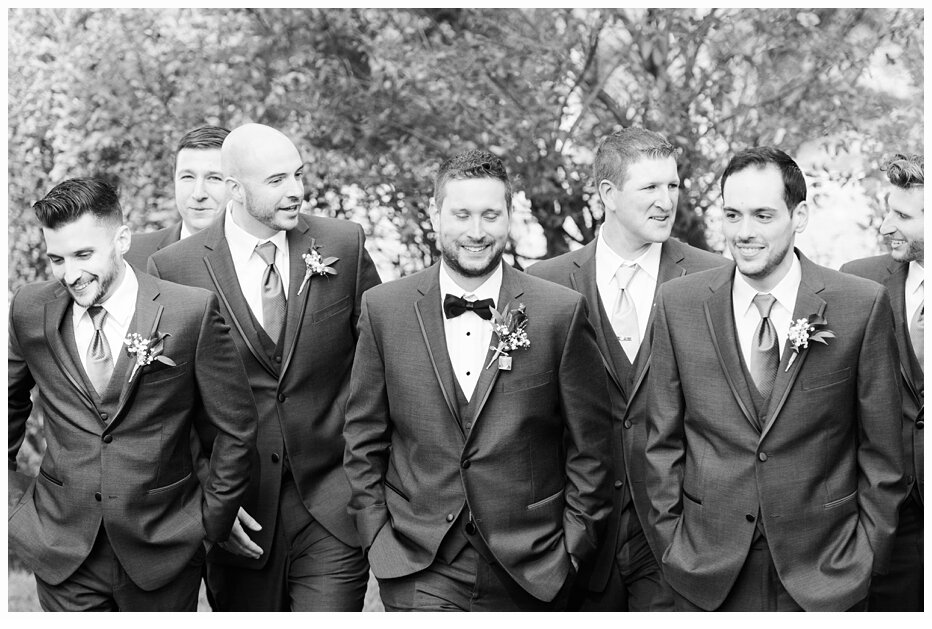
{"x":811,"y":328}
{"x":146,"y":350}
{"x":510,"y":326}
{"x":315,"y":264}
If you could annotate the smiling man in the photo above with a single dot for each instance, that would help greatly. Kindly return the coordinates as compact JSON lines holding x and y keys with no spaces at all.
{"x":200,"y":193}
{"x":619,"y":273}
{"x":294,"y":546}
{"x":901,"y":272}
{"x":480,"y":482}
{"x":116,"y":518}
{"x":773,"y":459}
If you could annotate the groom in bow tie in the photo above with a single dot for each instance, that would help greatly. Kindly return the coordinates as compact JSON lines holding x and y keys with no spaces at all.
{"x":479,"y":477}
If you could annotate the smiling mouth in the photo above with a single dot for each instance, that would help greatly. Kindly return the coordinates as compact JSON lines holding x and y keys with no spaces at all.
{"x":659,"y":219}
{"x":896,"y":242}
{"x":475,"y":248}
{"x":80,"y":286}
{"x":290,"y":208}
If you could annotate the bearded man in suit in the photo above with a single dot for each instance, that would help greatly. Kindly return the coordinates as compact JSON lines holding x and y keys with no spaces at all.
{"x":773,"y":460}
{"x":116,"y":518}
{"x":290,"y":285}
{"x":200,"y":193}
{"x":479,"y":476}
{"x":901,"y":273}
{"x":619,"y":273}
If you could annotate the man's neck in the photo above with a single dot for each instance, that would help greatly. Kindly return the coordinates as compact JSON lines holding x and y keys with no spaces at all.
{"x":622,"y":243}
{"x":248,"y":224}
{"x":468,"y":283}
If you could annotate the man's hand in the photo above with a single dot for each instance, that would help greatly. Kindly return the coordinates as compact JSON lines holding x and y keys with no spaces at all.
{"x":239,"y":542}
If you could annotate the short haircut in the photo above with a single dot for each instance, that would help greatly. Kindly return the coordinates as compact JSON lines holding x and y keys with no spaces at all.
{"x":472,"y":164}
{"x":794,"y":184}
{"x":72,"y":199}
{"x":905,"y":171}
{"x":616,"y":152}
{"x":201,"y":139}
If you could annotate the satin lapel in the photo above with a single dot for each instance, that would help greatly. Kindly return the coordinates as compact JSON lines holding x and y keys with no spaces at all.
{"x":223,"y":274}
{"x":509,"y":294}
{"x":670,"y":258}
{"x":896,"y":288}
{"x":808,"y":303}
{"x":583,"y":281}
{"x":298,"y":243}
{"x":720,"y":318}
{"x":430,"y":318}
{"x":147,"y":317}
{"x":54,"y":318}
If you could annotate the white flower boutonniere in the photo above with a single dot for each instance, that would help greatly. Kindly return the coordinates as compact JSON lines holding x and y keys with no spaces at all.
{"x":811,"y":328}
{"x":315,"y":264}
{"x":146,"y":350}
{"x":510,"y":326}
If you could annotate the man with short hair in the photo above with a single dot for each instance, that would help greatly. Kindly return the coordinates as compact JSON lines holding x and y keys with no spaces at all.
{"x":901,"y":273}
{"x":619,"y":273}
{"x":290,"y":286}
{"x":126,"y":367}
{"x":200,"y":193}
{"x":476,"y":439}
{"x":773,"y":460}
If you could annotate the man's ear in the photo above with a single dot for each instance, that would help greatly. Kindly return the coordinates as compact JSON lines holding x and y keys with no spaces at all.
{"x":235,"y":190}
{"x":800,"y":217}
{"x":122,"y":239}
{"x":606,"y":188}
{"x":434,"y":213}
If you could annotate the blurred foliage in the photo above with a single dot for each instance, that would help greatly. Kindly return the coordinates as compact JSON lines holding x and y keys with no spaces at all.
{"x":375,"y":99}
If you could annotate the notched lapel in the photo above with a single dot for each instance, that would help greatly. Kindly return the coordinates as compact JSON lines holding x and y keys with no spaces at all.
{"x":55,"y":311}
{"x":299,"y":241}
{"x":895,"y":283}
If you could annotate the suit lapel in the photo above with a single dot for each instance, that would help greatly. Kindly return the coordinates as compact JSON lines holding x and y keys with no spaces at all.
{"x":299,"y":241}
{"x":721,"y":321}
{"x":808,"y":303}
{"x":895,"y":284}
{"x":510,"y":292}
{"x":55,"y":311}
{"x":219,"y":264}
{"x":172,"y":236}
{"x":430,"y":318}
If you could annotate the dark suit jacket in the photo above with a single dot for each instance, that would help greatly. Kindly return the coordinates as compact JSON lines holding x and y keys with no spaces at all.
{"x":576,"y":270}
{"x":824,"y":472}
{"x":892,"y":274}
{"x":129,"y":469}
{"x":144,"y":245}
{"x":413,"y":467}
{"x":301,"y":392}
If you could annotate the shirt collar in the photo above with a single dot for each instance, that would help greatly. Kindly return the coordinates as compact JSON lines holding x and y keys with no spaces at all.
{"x":242,"y":243}
{"x":185,"y":232}
{"x":121,"y":305}
{"x":914,"y":276}
{"x":489,"y":289}
{"x":607,"y":261}
{"x":785,"y":292}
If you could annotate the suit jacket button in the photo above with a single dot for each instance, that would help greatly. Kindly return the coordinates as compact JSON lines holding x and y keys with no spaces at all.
{"x":762,"y":456}
{"x":619,"y":484}
{"x":104,"y":416}
{"x":909,"y":479}
{"x":450,"y":517}
{"x":278,"y":359}
{"x":108,"y":438}
{"x":470,"y":528}
{"x":275,"y":457}
{"x":920,"y":424}
{"x":627,"y":423}
{"x":281,"y":397}
{"x":466,"y":464}
{"x":749,"y":517}
{"x":97,"y":496}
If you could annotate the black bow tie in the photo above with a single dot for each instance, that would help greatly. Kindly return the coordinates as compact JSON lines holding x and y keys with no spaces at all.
{"x":454,"y":306}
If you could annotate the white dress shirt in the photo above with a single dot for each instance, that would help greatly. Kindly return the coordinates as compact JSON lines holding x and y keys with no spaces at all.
{"x":469,"y":335}
{"x":185,"y":232}
{"x":747,"y":316}
{"x":249,"y":266}
{"x":120,"y":307}
{"x":915,"y":277}
{"x":640,"y":288}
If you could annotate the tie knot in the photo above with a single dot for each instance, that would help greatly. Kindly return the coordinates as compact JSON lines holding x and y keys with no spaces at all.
{"x":97,"y":314}
{"x":764,"y":302}
{"x":624,"y":274}
{"x":266,"y":251}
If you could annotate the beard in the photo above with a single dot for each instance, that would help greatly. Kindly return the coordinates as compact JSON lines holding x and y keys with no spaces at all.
{"x":104,"y":283}
{"x":761,"y":269}
{"x":914,"y":252}
{"x":452,"y":255}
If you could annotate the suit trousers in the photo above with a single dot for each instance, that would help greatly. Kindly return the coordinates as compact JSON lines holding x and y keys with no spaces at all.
{"x":101,"y":585}
{"x":900,"y":590}
{"x":308,"y":569}
{"x":469,"y":582}
{"x":635,"y":583}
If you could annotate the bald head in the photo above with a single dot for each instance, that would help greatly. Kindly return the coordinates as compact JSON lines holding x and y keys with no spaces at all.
{"x":263,"y":172}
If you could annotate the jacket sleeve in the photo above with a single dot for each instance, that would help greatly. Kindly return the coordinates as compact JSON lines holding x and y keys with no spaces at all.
{"x":366,"y":275}
{"x":587,"y":415}
{"x":19,"y":385}
{"x":367,"y":432}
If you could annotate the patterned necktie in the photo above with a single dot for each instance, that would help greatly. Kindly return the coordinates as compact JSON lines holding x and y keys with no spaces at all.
{"x":99,"y":357}
{"x":273,"y":295}
{"x":765,"y":355}
{"x":624,"y":315}
{"x":916,"y":325}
